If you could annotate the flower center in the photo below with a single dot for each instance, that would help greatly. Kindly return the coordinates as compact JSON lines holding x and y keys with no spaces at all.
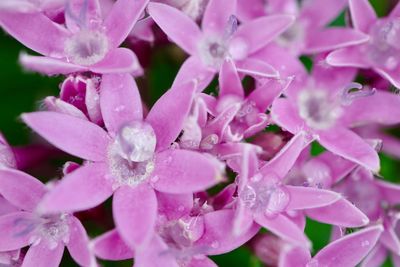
{"x":317,"y":109}
{"x":213,"y":51}
{"x":131,"y":155}
{"x":86,"y":47}
{"x":384,"y":47}
{"x":293,"y":35}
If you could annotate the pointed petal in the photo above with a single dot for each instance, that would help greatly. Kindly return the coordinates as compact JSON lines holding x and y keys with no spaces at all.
{"x":135,"y":211}
{"x":321,"y":12}
{"x":121,"y":19}
{"x":272,"y":27}
{"x":395,"y":11}
{"x":218,"y":235}
{"x":362,"y":14}
{"x":184,"y":171}
{"x":216,"y":16}
{"x":120,"y":101}
{"x":334,"y":38}
{"x":285,"y":115}
{"x":78,"y":244}
{"x":390,"y":191}
{"x":41,"y":255}
{"x":81,"y":189}
{"x":309,"y":197}
{"x":392,"y":76}
{"x":181,"y":29}
{"x":174,"y":206}
{"x":294,"y":256}
{"x":341,"y":213}
{"x":349,"y":250}
{"x":243,"y":219}
{"x":57,"y":105}
{"x":75,"y":136}
{"x":48,"y":65}
{"x":264,"y":95}
{"x":21,"y":189}
{"x":349,"y":145}
{"x":281,"y":164}
{"x":119,"y":60}
{"x":338,"y":166}
{"x":206,"y":262}
{"x":110,"y":246}
{"x":229,"y":80}
{"x":35,"y":31}
{"x":284,"y":228}
{"x":348,"y":57}
{"x":376,"y":257}
{"x":16,"y":230}
{"x":390,"y":240}
{"x":169,"y":113}
{"x":257,"y":68}
{"x":157,"y":254}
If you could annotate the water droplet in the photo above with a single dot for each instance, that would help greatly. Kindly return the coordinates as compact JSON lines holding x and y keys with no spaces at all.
{"x":215,"y":244}
{"x":365,"y":243}
{"x":154,"y":179}
{"x":120,"y":108}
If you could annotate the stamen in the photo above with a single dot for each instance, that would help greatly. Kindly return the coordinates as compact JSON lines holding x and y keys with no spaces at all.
{"x":354,"y":91}
{"x":231,"y":26}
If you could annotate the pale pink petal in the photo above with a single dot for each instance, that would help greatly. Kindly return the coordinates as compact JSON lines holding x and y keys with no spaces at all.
{"x":181,"y":29}
{"x":216,"y":16}
{"x":120,"y":101}
{"x":396,"y":11}
{"x":75,"y":136}
{"x":110,"y":246}
{"x":348,"y":57}
{"x":321,"y":12}
{"x":376,"y":257}
{"x":119,"y":60}
{"x":174,"y":206}
{"x":78,"y":244}
{"x":396,"y":260}
{"x":169,"y":113}
{"x":362,"y":14}
{"x":156,"y":255}
{"x":16,"y":230}
{"x":243,"y":219}
{"x":92,"y":101}
{"x":256,"y":68}
{"x":341,"y":213}
{"x":206,"y":262}
{"x":272,"y":27}
{"x":309,"y":197}
{"x":294,"y":256}
{"x":390,"y":191}
{"x":338,"y":166}
{"x":229,"y":80}
{"x":285,"y":115}
{"x":183,"y":171}
{"x":121,"y":19}
{"x":392,"y":76}
{"x":82,"y":189}
{"x":48,"y":65}
{"x":55,"y":104}
{"x":41,"y":255}
{"x":264,"y":95}
{"x":135,"y":211}
{"x":390,"y":239}
{"x":349,"y":145}
{"x":35,"y":31}
{"x":21,"y":189}
{"x":349,"y":250}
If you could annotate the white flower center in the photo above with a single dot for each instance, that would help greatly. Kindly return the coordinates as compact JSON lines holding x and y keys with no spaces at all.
{"x":213,"y":51}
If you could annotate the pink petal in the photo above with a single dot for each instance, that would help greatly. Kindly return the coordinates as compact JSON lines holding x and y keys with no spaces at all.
{"x":285,"y":115}
{"x":341,"y":213}
{"x":272,"y":27}
{"x":110,"y":246}
{"x":229,"y":80}
{"x":349,"y":250}
{"x":57,"y":105}
{"x":338,"y":166}
{"x":15,"y":230}
{"x":294,"y":256}
{"x":309,"y":197}
{"x":362,"y":14}
{"x":349,"y":145}
{"x":169,"y":113}
{"x":218,"y":235}
{"x":216,"y":16}
{"x":183,"y":171}
{"x":119,"y":60}
{"x":376,"y":257}
{"x":284,"y":228}
{"x":155,"y":255}
{"x":395,"y":11}
{"x":121,"y":19}
{"x":348,"y":57}
{"x":78,"y":244}
{"x":135,"y":211}
{"x":21,"y":189}
{"x":206,"y":262}
{"x":82,"y":189}
{"x":257,"y":68}
{"x":75,"y":136}
{"x":390,"y":239}
{"x":264,"y":95}
{"x":49,"y":65}
{"x":181,"y":29}
{"x":390,"y":191}
{"x":174,"y":206}
{"x":36,"y":31}
{"x":334,"y":38}
{"x":41,"y":255}
{"x":120,"y":101}
{"x":321,"y":12}
{"x":392,"y":76}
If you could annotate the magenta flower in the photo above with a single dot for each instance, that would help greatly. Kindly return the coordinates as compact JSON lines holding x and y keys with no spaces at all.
{"x":381,"y":52}
{"x":86,"y":43}
{"x":46,"y":234}
{"x":134,"y":158}
{"x":219,"y":38}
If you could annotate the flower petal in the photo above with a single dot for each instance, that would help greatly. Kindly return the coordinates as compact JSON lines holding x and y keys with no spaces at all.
{"x":41,"y":255}
{"x":348,"y":57}
{"x":121,"y":19}
{"x":256,"y":68}
{"x":181,"y":29}
{"x":309,"y":197}
{"x":294,"y":256}
{"x":110,"y":246}
{"x":390,"y":191}
{"x":229,"y":80}
{"x":174,"y":206}
{"x":21,"y":189}
{"x":169,"y":113}
{"x":120,"y":101}
{"x":16,"y":230}
{"x":119,"y":60}
{"x":216,"y":16}
{"x":81,"y":189}
{"x":183,"y":171}
{"x":285,"y":115}
{"x":206,"y":262}
{"x":392,"y":76}
{"x":75,"y":136}
{"x":321,"y":12}
{"x":135,"y":211}
{"x":376,"y":257}
{"x":349,"y":250}
{"x":362,"y":14}
{"x":48,"y":65}
{"x":157,"y":254}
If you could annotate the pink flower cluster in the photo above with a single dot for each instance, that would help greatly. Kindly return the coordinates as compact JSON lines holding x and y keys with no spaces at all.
{"x":250,"y":141}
